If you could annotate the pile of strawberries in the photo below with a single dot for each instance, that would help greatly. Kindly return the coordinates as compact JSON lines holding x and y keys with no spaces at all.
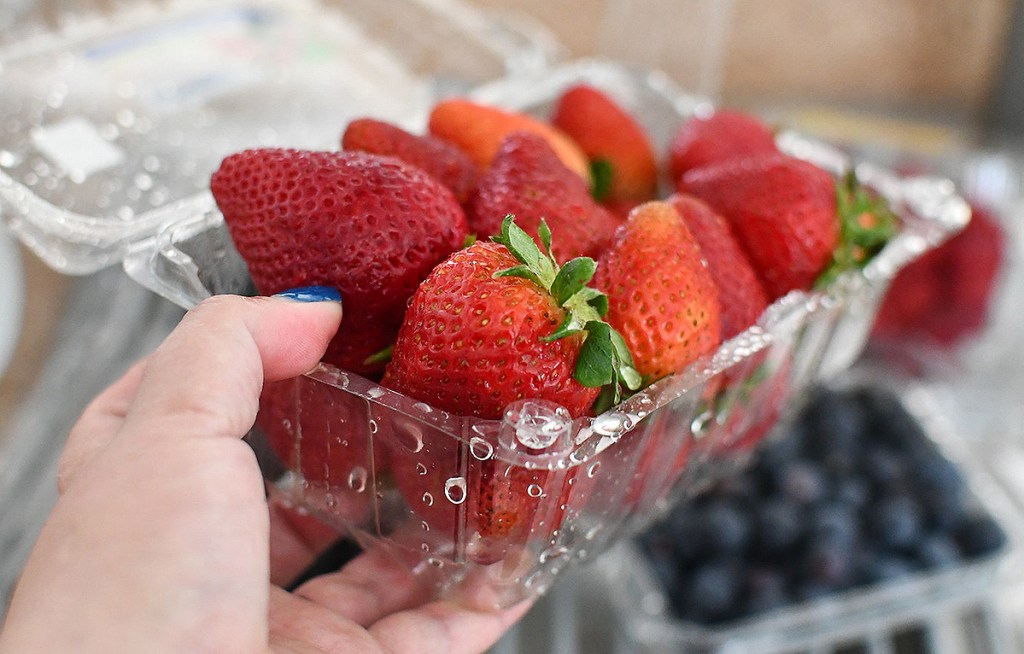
{"x":503,"y":256}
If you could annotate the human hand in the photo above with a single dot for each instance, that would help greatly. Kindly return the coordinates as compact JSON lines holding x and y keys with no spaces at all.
{"x":162,"y":539}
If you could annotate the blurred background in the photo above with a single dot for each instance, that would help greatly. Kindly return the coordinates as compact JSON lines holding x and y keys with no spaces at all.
{"x":939,"y":84}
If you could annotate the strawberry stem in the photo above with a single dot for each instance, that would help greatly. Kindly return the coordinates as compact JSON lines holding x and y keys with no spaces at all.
{"x":604,"y":359}
{"x":866,"y":224}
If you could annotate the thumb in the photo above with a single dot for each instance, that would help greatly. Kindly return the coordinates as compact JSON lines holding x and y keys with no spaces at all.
{"x":207,"y":375}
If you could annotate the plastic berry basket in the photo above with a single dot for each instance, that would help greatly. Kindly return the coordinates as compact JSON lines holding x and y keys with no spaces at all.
{"x":112,"y":122}
{"x":864,"y":618}
{"x":401,"y":475}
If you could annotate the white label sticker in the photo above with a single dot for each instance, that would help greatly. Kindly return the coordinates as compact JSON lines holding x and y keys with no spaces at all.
{"x":76,"y":145}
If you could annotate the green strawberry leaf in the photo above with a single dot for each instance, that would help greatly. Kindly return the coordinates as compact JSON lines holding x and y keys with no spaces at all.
{"x":595,"y":365}
{"x":603,"y":173}
{"x":572,"y":278}
{"x":604,"y":359}
{"x":866,"y":224}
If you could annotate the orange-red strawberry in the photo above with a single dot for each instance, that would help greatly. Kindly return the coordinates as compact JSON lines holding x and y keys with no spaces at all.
{"x":740,"y":294}
{"x":725,"y":134}
{"x":479,"y":130}
{"x":783,"y":211}
{"x":370,"y":226}
{"x":527,"y":180}
{"x":662,"y":298}
{"x":621,"y":158}
{"x":450,"y":165}
{"x":500,"y":322}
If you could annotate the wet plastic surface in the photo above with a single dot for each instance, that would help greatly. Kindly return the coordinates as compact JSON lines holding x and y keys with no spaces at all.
{"x":114,"y":124}
{"x":498,"y":508}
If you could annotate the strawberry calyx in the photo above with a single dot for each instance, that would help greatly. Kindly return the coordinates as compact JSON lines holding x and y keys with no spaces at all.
{"x":604,"y":360}
{"x":602,"y":174}
{"x":866,"y":224}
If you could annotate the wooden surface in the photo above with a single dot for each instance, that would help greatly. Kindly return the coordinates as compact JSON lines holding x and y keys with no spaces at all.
{"x":917,"y":56}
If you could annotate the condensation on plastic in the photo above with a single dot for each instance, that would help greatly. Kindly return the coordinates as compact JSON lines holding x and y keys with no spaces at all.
{"x":867,"y":615}
{"x":111,"y":123}
{"x":437,"y":490}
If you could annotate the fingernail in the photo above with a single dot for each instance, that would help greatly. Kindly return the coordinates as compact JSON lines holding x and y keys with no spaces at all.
{"x":311,"y":294}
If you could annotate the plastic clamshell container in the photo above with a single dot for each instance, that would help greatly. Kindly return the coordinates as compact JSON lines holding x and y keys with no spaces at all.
{"x":868,"y":614}
{"x":113,"y":124}
{"x":497,"y":508}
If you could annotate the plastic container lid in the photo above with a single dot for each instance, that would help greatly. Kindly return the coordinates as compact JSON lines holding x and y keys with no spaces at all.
{"x":115,"y":123}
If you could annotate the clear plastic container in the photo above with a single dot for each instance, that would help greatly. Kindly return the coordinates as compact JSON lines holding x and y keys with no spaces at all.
{"x":862,"y":619}
{"x":497,"y":508}
{"x":112,"y":124}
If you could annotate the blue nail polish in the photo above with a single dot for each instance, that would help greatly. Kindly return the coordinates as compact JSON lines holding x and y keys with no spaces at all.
{"x":311,"y":294}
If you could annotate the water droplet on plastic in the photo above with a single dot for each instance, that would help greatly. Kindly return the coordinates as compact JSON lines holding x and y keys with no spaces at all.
{"x":425,"y":526}
{"x":480,"y":449}
{"x":455,"y":490}
{"x":330,"y":500}
{"x":421,"y":469}
{"x":552,"y":553}
{"x":143,"y":181}
{"x":373,"y":426}
{"x":594,"y":467}
{"x":592,"y":532}
{"x":357,"y":479}
{"x":701,"y":422}
{"x":375,"y":392}
{"x":126,"y":118}
{"x":612,"y":424}
{"x":437,"y":563}
{"x":428,"y":499}
{"x":8,"y":159}
{"x":151,"y":164}
{"x":534,"y":490}
{"x":423,"y":407}
{"x":410,"y":437}
{"x":539,"y":425}
{"x":425,"y":547}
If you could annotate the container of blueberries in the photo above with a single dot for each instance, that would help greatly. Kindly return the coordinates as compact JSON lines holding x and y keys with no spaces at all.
{"x":850,"y":527}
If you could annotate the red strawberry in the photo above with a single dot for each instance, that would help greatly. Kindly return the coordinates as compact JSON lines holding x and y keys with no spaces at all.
{"x":740,"y":294}
{"x":527,"y":180}
{"x":450,"y":165}
{"x":724,"y":135}
{"x":479,"y":129}
{"x":370,"y":226}
{"x":944,"y":296}
{"x":308,"y":426}
{"x":661,"y":295}
{"x":783,"y":211}
{"x":496,"y":323}
{"x":613,"y":141}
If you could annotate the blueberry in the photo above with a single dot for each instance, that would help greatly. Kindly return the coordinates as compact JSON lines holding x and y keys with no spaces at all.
{"x":712,"y":591}
{"x":803,"y":482}
{"x":835,"y":423}
{"x":979,"y":535}
{"x":764,"y":590}
{"x":828,"y":562}
{"x":883,"y":568}
{"x":851,"y":491}
{"x":685,"y":530}
{"x":885,"y":467}
{"x":942,"y":490}
{"x":896,"y":522}
{"x":835,"y":521}
{"x":938,"y":551}
{"x":725,"y":526}
{"x":890,"y":423}
{"x":776,"y":453}
{"x":779,"y":526}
